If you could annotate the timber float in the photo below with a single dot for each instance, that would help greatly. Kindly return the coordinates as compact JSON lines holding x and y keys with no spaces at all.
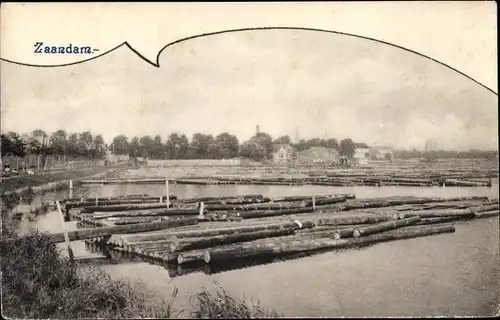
{"x":211,"y":233}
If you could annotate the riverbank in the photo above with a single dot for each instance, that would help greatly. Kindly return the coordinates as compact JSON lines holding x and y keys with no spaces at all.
{"x":38,"y":283}
{"x":47,"y":181}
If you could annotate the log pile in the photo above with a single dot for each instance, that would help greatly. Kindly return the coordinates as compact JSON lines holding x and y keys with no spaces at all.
{"x":449,"y":174}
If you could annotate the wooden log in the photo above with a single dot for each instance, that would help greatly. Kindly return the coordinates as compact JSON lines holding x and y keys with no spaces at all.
{"x":462,"y":183}
{"x":486,"y":214}
{"x":130,"y":240}
{"x":302,"y":198}
{"x":123,"y":197}
{"x":388,"y":202}
{"x":325,"y":201}
{"x":331,"y":232}
{"x":123,"y":181}
{"x":255,"y":206}
{"x":466,"y":213}
{"x":125,"y":207}
{"x":385,"y":226}
{"x":207,"y":199}
{"x":344,"y":233}
{"x":190,"y":257}
{"x":271,"y":213}
{"x":438,"y":220}
{"x":227,"y":253}
{"x":87,"y":203}
{"x":107,"y":231}
{"x":135,"y":220}
{"x":238,"y":201}
{"x":404,"y":233}
{"x":352,"y":219}
{"x":201,"y":243}
{"x":146,"y":213}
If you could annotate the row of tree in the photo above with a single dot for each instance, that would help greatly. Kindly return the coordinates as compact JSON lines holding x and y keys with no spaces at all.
{"x":223,"y":146}
{"x":177,"y":146}
{"x":58,"y":143}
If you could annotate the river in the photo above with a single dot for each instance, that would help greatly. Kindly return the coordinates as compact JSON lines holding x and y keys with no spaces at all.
{"x":454,"y":274}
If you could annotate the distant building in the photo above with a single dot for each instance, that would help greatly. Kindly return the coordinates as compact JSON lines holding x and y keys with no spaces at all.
{"x":318,"y":155}
{"x":361,"y":156}
{"x":381,"y":153}
{"x":115,"y":158}
{"x":283,"y":153}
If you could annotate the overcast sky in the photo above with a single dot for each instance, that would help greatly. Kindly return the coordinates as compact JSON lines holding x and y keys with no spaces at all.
{"x":323,"y":84}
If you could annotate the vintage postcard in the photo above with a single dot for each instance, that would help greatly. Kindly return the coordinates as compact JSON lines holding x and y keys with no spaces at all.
{"x":249,"y":159}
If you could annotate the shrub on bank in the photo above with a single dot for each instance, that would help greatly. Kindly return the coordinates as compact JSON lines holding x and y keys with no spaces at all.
{"x":38,"y":283}
{"x":220,"y":305}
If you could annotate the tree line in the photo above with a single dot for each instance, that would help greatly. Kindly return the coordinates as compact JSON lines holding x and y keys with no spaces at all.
{"x":177,"y":146}
{"x":223,"y":146}
{"x":61,"y":143}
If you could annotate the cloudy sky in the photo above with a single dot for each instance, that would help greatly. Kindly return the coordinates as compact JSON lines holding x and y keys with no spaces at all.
{"x":323,"y":84}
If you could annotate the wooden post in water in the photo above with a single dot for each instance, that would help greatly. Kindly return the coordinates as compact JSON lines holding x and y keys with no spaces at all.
{"x":202,"y":208}
{"x":161,"y":199}
{"x":71,"y":189}
{"x":167,"y":192}
{"x":66,"y":237}
{"x":96,"y":200}
{"x":314,"y":203}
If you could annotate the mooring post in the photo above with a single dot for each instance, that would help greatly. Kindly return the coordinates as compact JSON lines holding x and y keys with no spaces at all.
{"x":96,"y":199}
{"x":71,"y":189}
{"x":314,"y":202}
{"x":161,"y":199}
{"x":66,"y":237}
{"x":202,"y":208}
{"x":167,"y":192}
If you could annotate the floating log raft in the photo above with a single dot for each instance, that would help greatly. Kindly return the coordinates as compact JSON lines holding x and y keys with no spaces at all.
{"x":130,"y":240}
{"x":259,"y":227}
{"x":458,"y":178}
{"x":253,"y":249}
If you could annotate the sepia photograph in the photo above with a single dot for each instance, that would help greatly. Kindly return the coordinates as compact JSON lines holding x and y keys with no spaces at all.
{"x":259,"y":172}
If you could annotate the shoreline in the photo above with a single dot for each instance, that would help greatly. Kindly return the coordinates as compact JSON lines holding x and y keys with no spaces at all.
{"x":58,"y":184}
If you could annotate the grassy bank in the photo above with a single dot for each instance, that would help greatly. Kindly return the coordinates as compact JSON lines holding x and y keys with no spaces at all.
{"x":38,"y":283}
{"x":23,"y":181}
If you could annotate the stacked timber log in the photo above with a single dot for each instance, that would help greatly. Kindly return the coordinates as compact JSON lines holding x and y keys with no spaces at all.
{"x":421,"y":175}
{"x":205,"y":230}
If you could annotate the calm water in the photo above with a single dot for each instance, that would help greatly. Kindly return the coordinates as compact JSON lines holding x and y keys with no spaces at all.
{"x":450,"y":274}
